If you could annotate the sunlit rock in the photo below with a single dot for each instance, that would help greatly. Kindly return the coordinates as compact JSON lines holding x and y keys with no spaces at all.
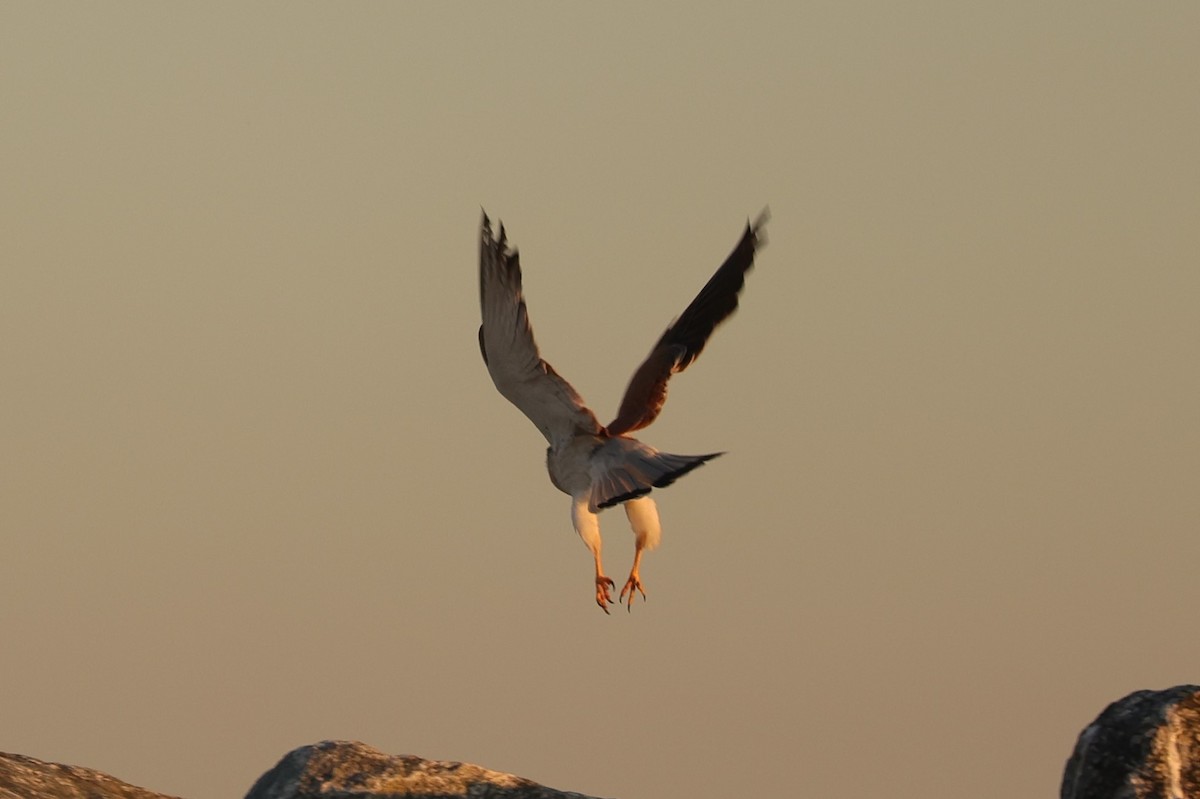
{"x":1144,"y":746}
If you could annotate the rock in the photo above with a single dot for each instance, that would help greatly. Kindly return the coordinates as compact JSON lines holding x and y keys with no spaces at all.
{"x":352,"y":770}
{"x":1145,"y":746}
{"x":24,"y":777}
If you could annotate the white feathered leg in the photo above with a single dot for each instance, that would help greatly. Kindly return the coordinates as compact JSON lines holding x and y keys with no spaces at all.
{"x":643,"y":518}
{"x":587,"y":524}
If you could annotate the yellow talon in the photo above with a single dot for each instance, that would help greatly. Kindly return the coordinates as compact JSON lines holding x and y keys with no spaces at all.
{"x":633,"y":584}
{"x":603,"y":587}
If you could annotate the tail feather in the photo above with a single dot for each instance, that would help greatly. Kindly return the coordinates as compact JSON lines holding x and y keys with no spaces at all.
{"x":625,"y":468}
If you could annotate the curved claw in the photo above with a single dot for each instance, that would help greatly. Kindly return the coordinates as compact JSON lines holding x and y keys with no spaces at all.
{"x":631,"y":585}
{"x":603,"y":587}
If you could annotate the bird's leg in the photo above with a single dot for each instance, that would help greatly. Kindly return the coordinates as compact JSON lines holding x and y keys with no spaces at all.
{"x":603,"y":584}
{"x":643,"y":518}
{"x":634,"y":583}
{"x":588,"y":526}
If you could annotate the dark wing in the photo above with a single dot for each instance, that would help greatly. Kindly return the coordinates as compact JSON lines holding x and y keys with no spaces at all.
{"x":511,"y":354}
{"x":685,"y":338}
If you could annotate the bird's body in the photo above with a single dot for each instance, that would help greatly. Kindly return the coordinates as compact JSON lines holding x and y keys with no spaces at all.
{"x":599,"y":465}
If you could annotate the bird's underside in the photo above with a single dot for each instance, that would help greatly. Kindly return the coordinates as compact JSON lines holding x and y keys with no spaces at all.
{"x":600,"y":466}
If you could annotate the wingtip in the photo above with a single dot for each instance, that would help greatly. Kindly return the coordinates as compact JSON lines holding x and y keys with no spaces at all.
{"x":485,"y":225}
{"x":764,"y":216}
{"x":498,"y":237}
{"x":496,"y":241}
{"x":757,"y":228}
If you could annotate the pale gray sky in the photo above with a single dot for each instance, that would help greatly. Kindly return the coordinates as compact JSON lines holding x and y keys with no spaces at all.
{"x":257,"y":490}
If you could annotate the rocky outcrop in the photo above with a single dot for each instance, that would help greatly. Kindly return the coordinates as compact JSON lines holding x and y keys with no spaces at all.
{"x":352,"y":770}
{"x":24,"y":777}
{"x":1145,"y":746}
{"x":327,"y":770}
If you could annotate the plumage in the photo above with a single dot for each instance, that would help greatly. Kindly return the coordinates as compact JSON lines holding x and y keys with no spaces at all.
{"x":685,"y":338}
{"x":511,"y":354}
{"x":600,"y":466}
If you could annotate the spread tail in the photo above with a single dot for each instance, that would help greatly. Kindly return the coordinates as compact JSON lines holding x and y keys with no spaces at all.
{"x":625,"y":468}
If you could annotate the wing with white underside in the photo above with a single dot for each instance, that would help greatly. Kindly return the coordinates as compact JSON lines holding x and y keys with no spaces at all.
{"x":511,"y":354}
{"x":685,"y":338}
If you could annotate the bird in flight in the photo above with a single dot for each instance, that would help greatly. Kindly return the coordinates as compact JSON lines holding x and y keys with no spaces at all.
{"x":600,"y":466}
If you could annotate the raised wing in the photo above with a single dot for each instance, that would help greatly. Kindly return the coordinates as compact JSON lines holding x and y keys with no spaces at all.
{"x":511,"y":354}
{"x":685,"y":338}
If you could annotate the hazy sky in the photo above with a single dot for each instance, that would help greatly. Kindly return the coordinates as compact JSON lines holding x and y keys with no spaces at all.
{"x":257,"y":489}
